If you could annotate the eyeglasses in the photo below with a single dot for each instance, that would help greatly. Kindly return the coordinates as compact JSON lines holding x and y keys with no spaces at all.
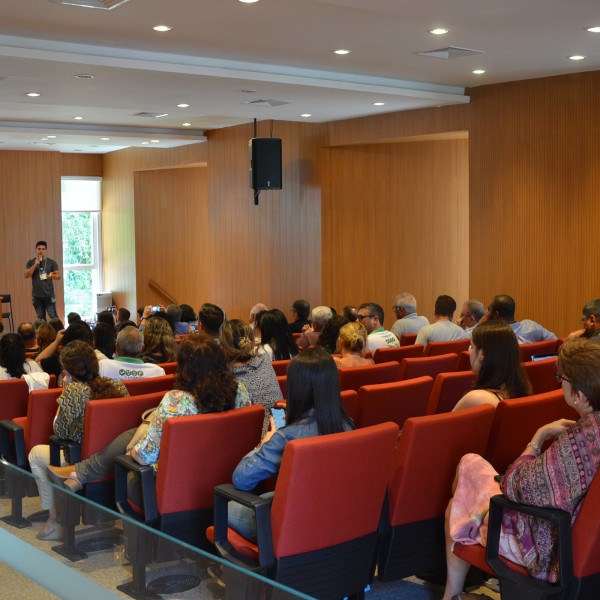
{"x":560,"y":378}
{"x":585,"y":318}
{"x":361,"y":317}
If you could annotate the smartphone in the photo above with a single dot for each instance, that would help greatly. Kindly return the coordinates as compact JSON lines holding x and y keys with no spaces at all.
{"x":111,"y":309}
{"x":156,"y":309}
{"x":279,"y":416}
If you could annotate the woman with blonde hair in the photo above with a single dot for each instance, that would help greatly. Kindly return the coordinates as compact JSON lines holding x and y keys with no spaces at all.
{"x":352,"y":344}
{"x":159,"y":341}
{"x":250,"y":367}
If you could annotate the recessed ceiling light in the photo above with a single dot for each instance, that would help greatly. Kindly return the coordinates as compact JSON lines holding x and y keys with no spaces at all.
{"x":78,"y":118}
{"x":478,"y":71}
{"x":144,"y":143}
{"x":50,"y":137}
{"x":33,"y":94}
{"x":183,"y":105}
{"x":306,"y":115}
{"x":84,"y":76}
{"x":44,"y":139}
{"x":341,"y":51}
{"x":438,"y":31}
{"x":248,"y":1}
{"x":154,"y":141}
{"x":378,"y":103}
{"x":248,"y":91}
{"x":105,"y":139}
{"x":186,"y":124}
{"x":576,"y":57}
{"x":594,"y":29}
{"x":161,"y":28}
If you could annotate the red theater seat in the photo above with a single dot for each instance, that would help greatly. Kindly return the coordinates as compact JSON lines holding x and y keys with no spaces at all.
{"x":427,"y":365}
{"x":353,"y":378}
{"x":383,"y":355}
{"x":448,"y":389}
{"x":456,"y":346}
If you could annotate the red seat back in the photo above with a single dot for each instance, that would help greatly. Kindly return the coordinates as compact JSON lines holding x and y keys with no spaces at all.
{"x":169,"y":368}
{"x":541,"y":374}
{"x":393,"y":402}
{"x":427,"y":365}
{"x":350,"y":403}
{"x":14,"y":394}
{"x":147,"y":385}
{"x":428,"y":453}
{"x":383,"y":355}
{"x":281,"y":366}
{"x":282,"y":381}
{"x":331,"y":489}
{"x":106,"y":419}
{"x":586,"y":533}
{"x":354,"y":378}
{"x":41,"y":410}
{"x":464,"y":361}
{"x":529,"y":350}
{"x":448,"y":389}
{"x":517,"y":419}
{"x":408,"y":338}
{"x":456,"y":346}
{"x":201,"y":451}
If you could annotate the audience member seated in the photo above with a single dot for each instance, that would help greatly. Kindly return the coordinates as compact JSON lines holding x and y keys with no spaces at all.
{"x":470,"y":314}
{"x":250,"y":367}
{"x":27,"y":333}
{"x":123,"y":319}
{"x":330,"y":334}
{"x":140,"y":315}
{"x":496,"y":362}
{"x":350,"y":313}
{"x":300,"y":311}
{"x":13,"y":361}
{"x":559,"y":478}
{"x":210,"y":319}
{"x":45,"y":335}
{"x":405,"y":308}
{"x":321,"y":315}
{"x":106,"y":316}
{"x":128,"y":363}
{"x":179,"y":327}
{"x":314,"y":407}
{"x":371,"y":316}
{"x":443,"y":329}
{"x":81,"y":383}
{"x":352,"y":344}
{"x":254,"y":311}
{"x":257,"y":330}
{"x":591,"y":322}
{"x":56,"y":323}
{"x":159,"y":342}
{"x":73,"y":317}
{"x":188,"y":316}
{"x":527,"y":331}
{"x":276,"y":340}
{"x":105,"y":339}
{"x":203,"y":384}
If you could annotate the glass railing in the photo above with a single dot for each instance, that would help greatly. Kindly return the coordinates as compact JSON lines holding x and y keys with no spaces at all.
{"x":104,"y":555}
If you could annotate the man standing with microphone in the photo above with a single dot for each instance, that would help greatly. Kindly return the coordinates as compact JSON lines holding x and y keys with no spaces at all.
{"x":42,"y":271}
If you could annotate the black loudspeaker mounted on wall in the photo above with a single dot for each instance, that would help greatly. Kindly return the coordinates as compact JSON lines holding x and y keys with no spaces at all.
{"x":265,"y":163}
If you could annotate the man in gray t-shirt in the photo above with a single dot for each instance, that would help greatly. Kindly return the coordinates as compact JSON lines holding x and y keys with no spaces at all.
{"x":42,"y":271}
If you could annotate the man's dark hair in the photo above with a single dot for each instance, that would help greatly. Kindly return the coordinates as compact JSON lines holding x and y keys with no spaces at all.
{"x":124,"y":314}
{"x":375,"y":310}
{"x":302,"y":308}
{"x":105,"y":316}
{"x":73,"y":317}
{"x":41,"y":243}
{"x":445,"y":306}
{"x":78,"y":331}
{"x":211,"y":316}
{"x":26,"y":331}
{"x":503,"y":307}
{"x":350,"y":313}
{"x":592,"y":308}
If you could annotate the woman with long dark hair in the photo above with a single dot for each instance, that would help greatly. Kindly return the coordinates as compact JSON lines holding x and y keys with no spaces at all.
{"x":314,"y":407}
{"x":496,"y":361}
{"x":13,"y":361}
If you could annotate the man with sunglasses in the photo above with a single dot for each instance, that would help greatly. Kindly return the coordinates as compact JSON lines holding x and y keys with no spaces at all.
{"x":371,"y":316}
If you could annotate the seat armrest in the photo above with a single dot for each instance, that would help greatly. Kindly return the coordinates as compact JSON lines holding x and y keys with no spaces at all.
{"x":57,"y":444}
{"x":13,"y":450}
{"x":262,"y":510}
{"x":125,"y":465}
{"x":561,"y":520}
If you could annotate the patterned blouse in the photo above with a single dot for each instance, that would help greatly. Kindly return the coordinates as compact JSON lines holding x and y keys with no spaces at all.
{"x":175,"y":403}
{"x":559,"y":478}
{"x":72,"y":402}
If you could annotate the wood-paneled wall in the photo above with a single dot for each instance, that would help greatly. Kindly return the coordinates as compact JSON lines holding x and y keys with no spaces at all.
{"x":396,"y":219}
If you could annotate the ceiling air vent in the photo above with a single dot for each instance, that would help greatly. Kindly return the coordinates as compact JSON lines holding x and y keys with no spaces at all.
{"x":450,"y":52}
{"x":151,"y":115}
{"x":268,"y":102}
{"x":102,"y":4}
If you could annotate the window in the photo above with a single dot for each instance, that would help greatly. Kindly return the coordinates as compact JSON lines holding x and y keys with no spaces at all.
{"x":81,"y":199}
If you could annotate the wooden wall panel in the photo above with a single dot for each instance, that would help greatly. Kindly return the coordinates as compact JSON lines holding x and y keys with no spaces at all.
{"x":29,"y":211}
{"x":395,"y":218}
{"x":81,"y":165}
